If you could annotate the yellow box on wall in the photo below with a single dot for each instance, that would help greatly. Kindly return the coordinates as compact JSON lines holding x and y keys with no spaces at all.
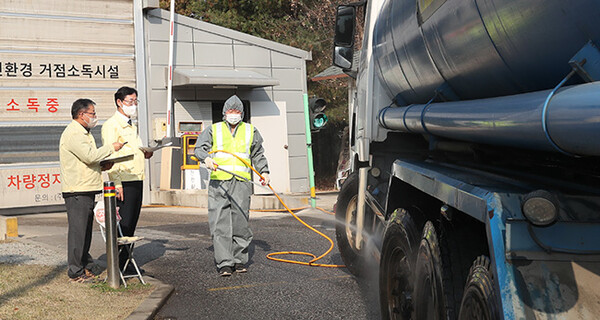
{"x":8,"y":227}
{"x":189,"y":143}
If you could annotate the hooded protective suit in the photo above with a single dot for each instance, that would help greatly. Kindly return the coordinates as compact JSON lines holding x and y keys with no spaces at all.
{"x":229,"y":197}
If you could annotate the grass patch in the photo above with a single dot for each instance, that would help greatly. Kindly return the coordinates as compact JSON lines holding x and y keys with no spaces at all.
{"x":44,"y":292}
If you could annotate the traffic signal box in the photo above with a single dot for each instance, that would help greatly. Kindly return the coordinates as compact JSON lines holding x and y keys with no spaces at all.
{"x":318,"y":119}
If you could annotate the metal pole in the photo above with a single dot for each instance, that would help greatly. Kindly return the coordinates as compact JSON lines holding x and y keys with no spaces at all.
{"x":170,"y":82}
{"x":110,"y":224}
{"x":311,"y":170}
{"x":360,"y":206}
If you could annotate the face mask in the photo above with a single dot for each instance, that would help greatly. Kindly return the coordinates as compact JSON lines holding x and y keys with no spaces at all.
{"x":90,"y":122}
{"x":129,"y":110}
{"x":233,"y":118}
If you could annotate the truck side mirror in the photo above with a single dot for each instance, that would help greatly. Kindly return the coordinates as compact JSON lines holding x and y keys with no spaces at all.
{"x":344,"y":36}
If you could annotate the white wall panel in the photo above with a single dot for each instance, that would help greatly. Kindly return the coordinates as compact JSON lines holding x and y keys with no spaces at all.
{"x":207,"y":37}
{"x":98,"y":9}
{"x":295,"y":100}
{"x":251,"y":56}
{"x":289,"y":79}
{"x":213,"y":55}
{"x":182,"y":51}
{"x":297,"y":145}
{"x":280,"y":60}
{"x":42,"y":34}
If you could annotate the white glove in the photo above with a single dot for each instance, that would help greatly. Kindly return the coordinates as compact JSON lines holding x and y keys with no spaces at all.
{"x":210,"y":164}
{"x":266,"y":179}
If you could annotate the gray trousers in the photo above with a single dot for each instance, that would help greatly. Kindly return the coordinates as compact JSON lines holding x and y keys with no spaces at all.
{"x":228,"y":213}
{"x":80,"y":216}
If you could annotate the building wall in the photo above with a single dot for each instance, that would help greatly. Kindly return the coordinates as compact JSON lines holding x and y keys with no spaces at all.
{"x":277,"y":112}
{"x":52,"y":53}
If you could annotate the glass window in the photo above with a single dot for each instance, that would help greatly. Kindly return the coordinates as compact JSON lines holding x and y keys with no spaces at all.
{"x":344,"y":26}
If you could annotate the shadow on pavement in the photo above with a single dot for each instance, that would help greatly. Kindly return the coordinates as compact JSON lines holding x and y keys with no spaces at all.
{"x":148,"y":252}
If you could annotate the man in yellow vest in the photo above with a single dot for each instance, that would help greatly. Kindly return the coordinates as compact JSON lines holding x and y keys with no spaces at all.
{"x":229,"y":196}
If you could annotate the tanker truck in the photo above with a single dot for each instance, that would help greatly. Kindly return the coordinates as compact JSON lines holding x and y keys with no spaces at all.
{"x":475,"y":156}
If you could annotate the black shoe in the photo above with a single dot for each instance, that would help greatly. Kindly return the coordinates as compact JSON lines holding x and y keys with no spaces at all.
{"x":225,"y":271}
{"x":239,"y":268}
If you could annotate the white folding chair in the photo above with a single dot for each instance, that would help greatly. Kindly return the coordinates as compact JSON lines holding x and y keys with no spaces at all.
{"x":124,"y":243}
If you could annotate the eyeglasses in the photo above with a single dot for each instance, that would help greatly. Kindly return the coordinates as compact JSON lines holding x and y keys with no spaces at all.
{"x":130,"y":102}
{"x":92,"y":113}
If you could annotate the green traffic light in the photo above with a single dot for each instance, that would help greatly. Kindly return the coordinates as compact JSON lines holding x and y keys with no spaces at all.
{"x":320,"y":120}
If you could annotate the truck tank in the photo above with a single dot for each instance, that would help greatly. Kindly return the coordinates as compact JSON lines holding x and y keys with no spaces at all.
{"x":480,"y":48}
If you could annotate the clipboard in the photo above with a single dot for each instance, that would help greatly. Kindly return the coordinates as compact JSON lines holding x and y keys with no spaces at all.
{"x":117,"y":158}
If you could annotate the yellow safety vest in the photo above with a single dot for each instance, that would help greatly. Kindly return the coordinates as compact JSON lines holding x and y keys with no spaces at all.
{"x":240,"y":145}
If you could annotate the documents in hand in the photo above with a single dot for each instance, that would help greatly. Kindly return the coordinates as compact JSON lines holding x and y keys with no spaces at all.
{"x":158,"y":146}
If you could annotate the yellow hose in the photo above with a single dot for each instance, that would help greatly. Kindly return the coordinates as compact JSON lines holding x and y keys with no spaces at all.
{"x":293,"y":209}
{"x":270,"y":255}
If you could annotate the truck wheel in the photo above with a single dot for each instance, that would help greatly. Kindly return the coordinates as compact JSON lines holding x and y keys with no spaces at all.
{"x":345,"y":229}
{"x":429,"y":301}
{"x":397,"y":264}
{"x":437,"y":277}
{"x":479,"y":300}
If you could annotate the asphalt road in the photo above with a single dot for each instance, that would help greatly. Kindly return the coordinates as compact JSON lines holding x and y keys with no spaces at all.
{"x":180,"y":253}
{"x":178,"y":250}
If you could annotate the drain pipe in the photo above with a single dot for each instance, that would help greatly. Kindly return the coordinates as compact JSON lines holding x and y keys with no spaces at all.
{"x":170,"y":82}
{"x":309,"y":154}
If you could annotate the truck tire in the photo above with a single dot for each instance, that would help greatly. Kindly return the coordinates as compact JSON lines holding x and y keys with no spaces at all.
{"x":437,"y":279}
{"x":479,"y":300}
{"x":428,"y":298}
{"x":345,"y":228}
{"x":396,"y":269}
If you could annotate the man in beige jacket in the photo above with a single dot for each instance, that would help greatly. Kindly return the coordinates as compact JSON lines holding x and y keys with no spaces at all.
{"x":81,"y":181}
{"x":128,"y":175}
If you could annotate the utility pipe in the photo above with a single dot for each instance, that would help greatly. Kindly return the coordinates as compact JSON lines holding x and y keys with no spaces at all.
{"x":309,"y":154}
{"x":568,"y":122}
{"x":170,"y":81}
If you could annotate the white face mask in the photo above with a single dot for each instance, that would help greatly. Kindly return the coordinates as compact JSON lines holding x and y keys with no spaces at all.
{"x":129,"y":110}
{"x":233,"y":118}
{"x":90,"y":122}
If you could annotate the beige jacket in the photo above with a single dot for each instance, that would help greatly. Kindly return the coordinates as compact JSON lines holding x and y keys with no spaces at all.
{"x":116,"y":129}
{"x":80,"y":159}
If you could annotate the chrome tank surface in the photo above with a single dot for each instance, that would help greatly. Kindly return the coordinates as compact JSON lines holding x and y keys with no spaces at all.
{"x":481,"y":48}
